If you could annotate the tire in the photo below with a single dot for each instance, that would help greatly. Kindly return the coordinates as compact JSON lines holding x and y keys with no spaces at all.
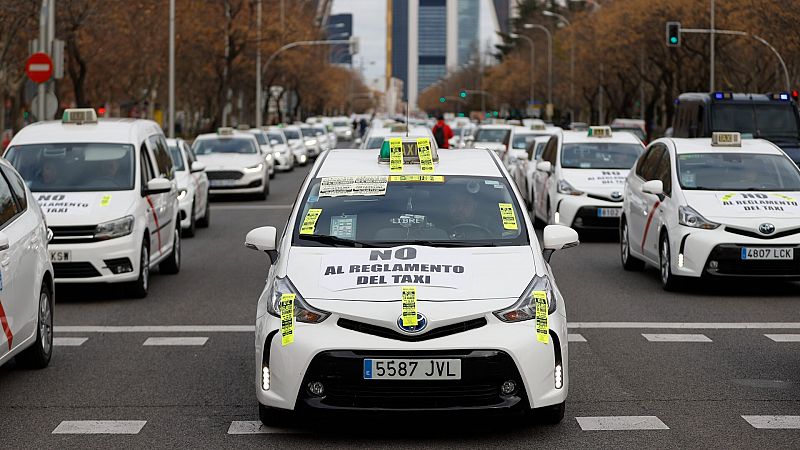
{"x":205,"y":221}
{"x":274,"y":416}
{"x":629,"y":262}
{"x":272,"y":171}
{"x":189,"y":232}
{"x":669,"y":281}
{"x":550,"y":415}
{"x":140,"y":287}
{"x":38,"y":355}
{"x":172,"y":264}
{"x":264,"y":192}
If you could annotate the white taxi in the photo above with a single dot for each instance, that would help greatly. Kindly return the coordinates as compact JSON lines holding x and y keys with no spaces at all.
{"x":580,"y":177}
{"x":712,"y":207}
{"x":492,"y":137}
{"x":234,"y":163}
{"x":26,"y":275}
{"x":192,"y":187}
{"x":108,"y":192}
{"x":283,"y":155}
{"x":410,"y":281}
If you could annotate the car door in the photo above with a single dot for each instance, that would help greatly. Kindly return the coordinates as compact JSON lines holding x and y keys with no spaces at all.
{"x":164,"y":202}
{"x":658,"y":205}
{"x":148,"y":173}
{"x":643,"y":205}
{"x":199,"y":179}
{"x":541,"y":179}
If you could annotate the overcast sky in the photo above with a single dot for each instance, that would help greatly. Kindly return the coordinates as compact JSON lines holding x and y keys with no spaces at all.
{"x":369,"y":24}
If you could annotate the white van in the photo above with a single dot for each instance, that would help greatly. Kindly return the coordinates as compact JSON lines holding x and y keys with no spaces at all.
{"x":108,"y":193}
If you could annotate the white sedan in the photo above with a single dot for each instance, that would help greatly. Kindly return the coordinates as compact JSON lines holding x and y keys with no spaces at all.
{"x":712,"y":207}
{"x":234,"y":163}
{"x":192,"y":187}
{"x":26,"y":275}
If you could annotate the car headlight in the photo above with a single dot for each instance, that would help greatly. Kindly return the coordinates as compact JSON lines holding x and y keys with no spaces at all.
{"x":182,"y":194}
{"x":311,"y":142}
{"x":114,"y":229}
{"x":691,"y":218}
{"x":565,"y":188}
{"x":525,"y":307}
{"x":269,"y":156}
{"x":254,"y":169}
{"x":348,"y":132}
{"x":303,"y":312}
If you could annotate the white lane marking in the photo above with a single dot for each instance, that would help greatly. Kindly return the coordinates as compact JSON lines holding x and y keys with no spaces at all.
{"x":784,"y":337}
{"x":256,"y":427}
{"x":69,"y":341}
{"x":621,"y":423}
{"x":152,"y":341}
{"x":676,"y":337}
{"x":689,"y":325}
{"x":100,"y":427}
{"x":575,"y":337}
{"x":773,"y":422}
{"x":248,"y":207}
{"x":157,"y":329}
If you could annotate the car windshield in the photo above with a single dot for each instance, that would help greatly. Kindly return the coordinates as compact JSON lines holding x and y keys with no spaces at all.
{"x":276,"y":136}
{"x":291,"y":134}
{"x":492,"y":135}
{"x":764,"y":120}
{"x":261,"y":139}
{"x":75,"y":167}
{"x":638,"y":132}
{"x":341,"y":123}
{"x":320,"y":130}
{"x":224,"y":145}
{"x":521,"y":141}
{"x":599,"y":155}
{"x":432,"y":210}
{"x":375,"y":142}
{"x":308,"y":132}
{"x":177,"y":158}
{"x":737,"y":172}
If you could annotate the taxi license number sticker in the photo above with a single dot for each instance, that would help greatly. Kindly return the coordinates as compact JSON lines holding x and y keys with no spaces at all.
{"x":396,"y":155}
{"x":310,"y":221}
{"x":425,"y":155}
{"x":542,"y":327}
{"x":409,"y":306}
{"x":419,"y":178}
{"x":508,"y":216}
{"x":352,"y":186}
{"x":105,"y":200}
{"x":287,"y":318}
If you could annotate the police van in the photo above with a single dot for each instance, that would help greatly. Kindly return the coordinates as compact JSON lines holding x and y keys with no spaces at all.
{"x":377,"y":298}
{"x":108,"y":192}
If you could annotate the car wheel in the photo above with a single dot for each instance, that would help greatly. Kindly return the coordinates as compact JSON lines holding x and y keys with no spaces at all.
{"x":629,"y":262}
{"x":189,"y":232}
{"x":550,"y":415}
{"x":205,"y":221}
{"x":669,"y":281}
{"x":272,"y":172}
{"x":264,"y":192}
{"x":38,"y":355}
{"x":142,"y":283}
{"x":172,"y":264}
{"x":273,"y":416}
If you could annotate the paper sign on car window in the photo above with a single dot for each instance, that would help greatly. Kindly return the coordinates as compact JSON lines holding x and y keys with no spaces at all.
{"x":508,"y":216}
{"x":310,"y":222}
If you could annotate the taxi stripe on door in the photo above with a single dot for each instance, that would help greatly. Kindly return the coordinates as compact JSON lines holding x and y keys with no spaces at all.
{"x":649,"y":221}
{"x":6,"y":328}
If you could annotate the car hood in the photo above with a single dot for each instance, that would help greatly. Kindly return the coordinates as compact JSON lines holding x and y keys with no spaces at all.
{"x":280,"y":148}
{"x":85,"y":208}
{"x":745,"y":208}
{"x":229,"y":161}
{"x":496,"y":146}
{"x":602,"y":182}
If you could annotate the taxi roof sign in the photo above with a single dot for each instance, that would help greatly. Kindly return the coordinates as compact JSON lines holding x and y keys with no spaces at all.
{"x":225,"y":131}
{"x":538,"y":127}
{"x":726,"y":139}
{"x":600,"y":132}
{"x":410,"y":150}
{"x":79,"y":116}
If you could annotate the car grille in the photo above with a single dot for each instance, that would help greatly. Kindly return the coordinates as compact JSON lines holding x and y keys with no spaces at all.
{"x":434,"y":333}
{"x":753,"y":234}
{"x":75,"y":270}
{"x":482,"y":373}
{"x":730,"y":262}
{"x":73,"y":234}
{"x":224,"y":174}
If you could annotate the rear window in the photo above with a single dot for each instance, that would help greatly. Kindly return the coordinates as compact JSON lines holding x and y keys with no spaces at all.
{"x":761,"y":120}
{"x":222,"y":145}
{"x":291,"y":134}
{"x":492,"y":135}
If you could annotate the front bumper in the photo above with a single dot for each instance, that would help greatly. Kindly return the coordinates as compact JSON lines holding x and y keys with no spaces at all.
{"x":185,"y":206}
{"x":282,"y":162}
{"x":334,"y":355}
{"x":581,"y":211}
{"x":248,"y":183}
{"x":90,"y":261}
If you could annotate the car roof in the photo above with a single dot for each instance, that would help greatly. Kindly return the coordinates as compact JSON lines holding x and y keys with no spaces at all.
{"x":498,"y":127}
{"x":354,"y":162}
{"x":703,"y":145}
{"x":583,"y":136}
{"x":123,"y":131}
{"x":236,"y":135}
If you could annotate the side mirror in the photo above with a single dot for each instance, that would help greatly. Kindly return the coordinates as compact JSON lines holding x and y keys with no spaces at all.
{"x":158,"y":186}
{"x":197,"y":166}
{"x":273,"y":142}
{"x":544,"y":166}
{"x":263,"y":240}
{"x":655,"y":187}
{"x":3,"y":241}
{"x":558,"y":237}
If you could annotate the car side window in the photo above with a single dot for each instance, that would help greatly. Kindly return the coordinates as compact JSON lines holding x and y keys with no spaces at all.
{"x":663,"y":172}
{"x":18,"y":187}
{"x":164,"y":163}
{"x":549,"y":153}
{"x":8,"y":207}
{"x":147,"y":169}
{"x":651,"y":163}
{"x":640,"y":163}
{"x":189,"y":154}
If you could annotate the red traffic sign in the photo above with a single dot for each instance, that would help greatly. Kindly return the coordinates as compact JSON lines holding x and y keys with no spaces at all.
{"x":39,"y":67}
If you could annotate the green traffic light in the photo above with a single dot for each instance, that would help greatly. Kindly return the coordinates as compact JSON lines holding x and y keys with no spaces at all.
{"x":442,"y":99}
{"x":463,"y":94}
{"x":673,"y":39}
{"x":494,"y":113}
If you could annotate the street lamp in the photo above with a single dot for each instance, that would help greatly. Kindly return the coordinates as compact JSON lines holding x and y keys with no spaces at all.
{"x":571,"y":56}
{"x":531,"y":26}
{"x":530,"y":67}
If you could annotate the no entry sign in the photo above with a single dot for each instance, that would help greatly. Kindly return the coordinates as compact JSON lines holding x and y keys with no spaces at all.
{"x":39,"y":67}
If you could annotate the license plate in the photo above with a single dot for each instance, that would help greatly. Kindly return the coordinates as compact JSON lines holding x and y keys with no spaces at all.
{"x":609,"y":212}
{"x":412,"y":369}
{"x":222,"y":182}
{"x":767,"y":253}
{"x":60,"y":256}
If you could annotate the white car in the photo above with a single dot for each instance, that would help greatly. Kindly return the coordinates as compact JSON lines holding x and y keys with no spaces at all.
{"x":496,"y":138}
{"x":108,"y":192}
{"x":192,"y":187}
{"x":296,"y":142}
{"x":712,"y":207}
{"x":377,"y":298}
{"x":343,"y":127}
{"x":311,"y":140}
{"x":375,"y":138}
{"x":266,"y":149}
{"x":283,"y":154}
{"x":322,"y":137}
{"x":27,"y":293}
{"x":522,"y":172}
{"x":580,"y":178}
{"x":234,"y":163}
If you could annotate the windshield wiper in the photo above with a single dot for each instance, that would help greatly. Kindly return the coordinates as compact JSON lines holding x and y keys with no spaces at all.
{"x":439,"y":243}
{"x":334,"y":240}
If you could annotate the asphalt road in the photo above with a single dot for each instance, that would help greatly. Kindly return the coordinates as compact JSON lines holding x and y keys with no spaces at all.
{"x":693,"y":393}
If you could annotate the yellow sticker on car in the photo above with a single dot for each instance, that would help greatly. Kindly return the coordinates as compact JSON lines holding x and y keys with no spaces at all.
{"x":396,"y":155}
{"x":508,"y":216}
{"x":105,"y":200}
{"x":409,"y":306}
{"x":420,"y":178}
{"x":542,"y":327}
{"x":310,"y":221}
{"x":425,"y":154}
{"x":287,"y":318}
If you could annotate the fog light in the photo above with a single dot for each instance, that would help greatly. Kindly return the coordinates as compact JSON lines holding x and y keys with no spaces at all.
{"x":508,"y":387}
{"x":713,"y":264}
{"x":558,"y":376}
{"x":119,"y":265}
{"x":316,"y":388}
{"x":265,"y":378}
{"x":578,"y":222}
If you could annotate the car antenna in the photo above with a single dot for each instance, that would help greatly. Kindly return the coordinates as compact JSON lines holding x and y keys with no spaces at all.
{"x":407,"y":119}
